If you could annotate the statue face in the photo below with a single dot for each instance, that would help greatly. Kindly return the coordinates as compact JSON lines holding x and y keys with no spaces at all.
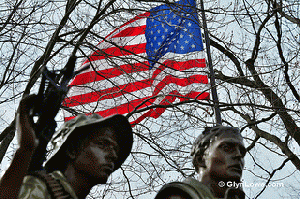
{"x":96,"y":159}
{"x":224,"y":158}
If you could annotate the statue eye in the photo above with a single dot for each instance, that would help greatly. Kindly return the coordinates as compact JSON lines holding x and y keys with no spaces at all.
{"x":227,"y":148}
{"x":101,"y":144}
{"x":106,"y":145}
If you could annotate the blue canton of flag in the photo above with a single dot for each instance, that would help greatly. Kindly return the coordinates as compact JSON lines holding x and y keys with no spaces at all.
{"x":172,"y":28}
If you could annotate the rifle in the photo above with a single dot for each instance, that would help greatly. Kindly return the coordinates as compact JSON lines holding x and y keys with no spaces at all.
{"x":52,"y":91}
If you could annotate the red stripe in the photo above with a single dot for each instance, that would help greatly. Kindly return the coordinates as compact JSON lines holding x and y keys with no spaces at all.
{"x":185,"y":65}
{"x":123,"y":108}
{"x":108,"y":93}
{"x":202,"y":79}
{"x":155,"y":113}
{"x":92,"y":76}
{"x":117,"y":51}
{"x":197,"y":63}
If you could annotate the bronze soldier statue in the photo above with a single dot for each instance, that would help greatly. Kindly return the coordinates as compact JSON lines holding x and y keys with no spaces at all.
{"x":218,"y":157}
{"x":86,"y":151}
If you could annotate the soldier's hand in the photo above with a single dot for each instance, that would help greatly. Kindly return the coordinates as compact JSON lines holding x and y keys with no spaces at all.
{"x":11,"y":181}
{"x":25,"y":131}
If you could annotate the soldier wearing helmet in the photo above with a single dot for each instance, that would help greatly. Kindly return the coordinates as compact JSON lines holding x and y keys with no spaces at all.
{"x":218,"y":157}
{"x":86,"y":151}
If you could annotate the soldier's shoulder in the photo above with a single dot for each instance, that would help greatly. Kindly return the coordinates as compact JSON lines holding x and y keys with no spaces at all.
{"x":33,"y":187}
{"x":189,"y":188}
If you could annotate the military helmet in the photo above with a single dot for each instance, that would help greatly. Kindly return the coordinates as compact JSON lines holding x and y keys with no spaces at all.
{"x":85,"y":124}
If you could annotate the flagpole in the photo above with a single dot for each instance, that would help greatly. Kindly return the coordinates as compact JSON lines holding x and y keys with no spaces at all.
{"x":211,"y":70}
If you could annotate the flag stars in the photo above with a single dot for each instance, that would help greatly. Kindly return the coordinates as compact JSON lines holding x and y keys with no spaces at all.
{"x":171,"y":32}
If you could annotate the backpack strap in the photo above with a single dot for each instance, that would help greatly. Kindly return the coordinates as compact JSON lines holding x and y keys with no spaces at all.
{"x":54,"y":187}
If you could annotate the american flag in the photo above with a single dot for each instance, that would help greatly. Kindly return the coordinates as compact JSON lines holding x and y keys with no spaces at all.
{"x":154,"y":59}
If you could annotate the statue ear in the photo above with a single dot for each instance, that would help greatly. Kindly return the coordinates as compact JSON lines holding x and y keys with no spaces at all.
{"x":71,"y":152}
{"x":201,"y":162}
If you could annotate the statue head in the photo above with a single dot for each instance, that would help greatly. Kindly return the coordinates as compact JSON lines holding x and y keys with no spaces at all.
{"x":218,"y":153}
{"x":93,"y":143}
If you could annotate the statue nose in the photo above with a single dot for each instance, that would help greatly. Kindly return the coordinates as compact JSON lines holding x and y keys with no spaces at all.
{"x":238,"y":152}
{"x":112,"y":154}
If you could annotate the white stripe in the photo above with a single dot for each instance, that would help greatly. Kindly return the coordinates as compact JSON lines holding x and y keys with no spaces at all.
{"x":137,"y":23}
{"x":182,"y":57}
{"x":122,"y":41}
